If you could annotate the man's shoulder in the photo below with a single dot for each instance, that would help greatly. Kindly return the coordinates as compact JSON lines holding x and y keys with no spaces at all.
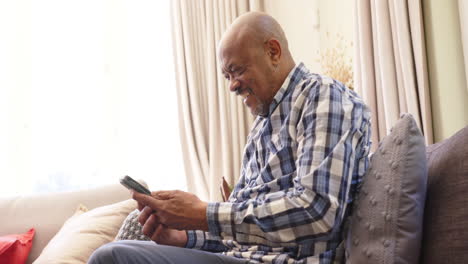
{"x":313,"y":85}
{"x":317,"y":88}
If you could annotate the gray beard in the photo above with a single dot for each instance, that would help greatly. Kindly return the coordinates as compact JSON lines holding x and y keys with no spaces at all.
{"x":261,"y":108}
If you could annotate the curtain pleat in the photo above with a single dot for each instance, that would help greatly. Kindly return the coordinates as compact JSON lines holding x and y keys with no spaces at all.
{"x":463,"y":10}
{"x":214,"y":123}
{"x":390,"y":65}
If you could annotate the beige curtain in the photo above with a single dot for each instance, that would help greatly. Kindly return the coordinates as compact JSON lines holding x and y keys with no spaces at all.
{"x":463,"y":9}
{"x":390,"y":64}
{"x":214,"y":123}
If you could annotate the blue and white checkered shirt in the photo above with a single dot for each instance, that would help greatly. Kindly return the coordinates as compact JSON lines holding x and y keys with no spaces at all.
{"x":301,"y":167}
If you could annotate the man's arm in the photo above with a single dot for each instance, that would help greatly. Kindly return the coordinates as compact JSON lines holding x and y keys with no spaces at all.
{"x":159,"y":220}
{"x":332,"y":138}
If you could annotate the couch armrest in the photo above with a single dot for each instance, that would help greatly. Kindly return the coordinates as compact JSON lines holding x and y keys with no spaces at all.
{"x":47,"y":212}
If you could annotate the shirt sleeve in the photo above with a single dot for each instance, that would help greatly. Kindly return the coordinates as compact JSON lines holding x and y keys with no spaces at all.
{"x":332,"y":141}
{"x":198,"y":239}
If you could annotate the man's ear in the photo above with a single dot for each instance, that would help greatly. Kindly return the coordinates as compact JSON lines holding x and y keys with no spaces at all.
{"x":273,"y":48}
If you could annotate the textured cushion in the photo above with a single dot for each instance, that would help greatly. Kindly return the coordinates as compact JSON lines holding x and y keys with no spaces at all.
{"x":445,"y":236}
{"x":131,"y":228}
{"x":47,"y":212}
{"x":14,"y":249}
{"x":84,"y":232}
{"x":386,"y":224}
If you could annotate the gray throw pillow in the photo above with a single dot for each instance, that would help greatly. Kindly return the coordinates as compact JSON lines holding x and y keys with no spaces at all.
{"x":131,"y":228}
{"x":386,"y":223}
{"x":445,"y":236}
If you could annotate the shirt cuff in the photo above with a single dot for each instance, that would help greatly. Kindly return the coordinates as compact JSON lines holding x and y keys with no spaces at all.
{"x":220,"y":218}
{"x":195,"y":239}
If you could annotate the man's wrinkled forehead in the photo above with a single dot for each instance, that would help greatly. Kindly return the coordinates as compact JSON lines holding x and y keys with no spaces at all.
{"x":229,"y":53}
{"x":235,"y":48}
{"x":228,"y":64}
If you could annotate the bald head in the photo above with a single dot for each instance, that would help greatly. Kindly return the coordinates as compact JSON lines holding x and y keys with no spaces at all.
{"x":255,"y":59}
{"x":254,"y":28}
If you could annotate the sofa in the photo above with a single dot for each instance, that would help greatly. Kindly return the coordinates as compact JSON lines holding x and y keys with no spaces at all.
{"x":47,"y":213}
{"x":445,"y":228}
{"x":445,"y":232}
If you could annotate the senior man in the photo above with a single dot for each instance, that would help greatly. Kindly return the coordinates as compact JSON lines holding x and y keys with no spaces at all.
{"x":305,"y":155}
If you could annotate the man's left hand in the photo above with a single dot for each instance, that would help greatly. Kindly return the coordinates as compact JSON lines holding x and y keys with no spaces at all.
{"x":176,"y":209}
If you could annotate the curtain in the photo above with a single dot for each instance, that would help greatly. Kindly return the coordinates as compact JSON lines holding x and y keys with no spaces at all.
{"x":390,"y":64}
{"x":214,"y":123}
{"x":463,"y":9}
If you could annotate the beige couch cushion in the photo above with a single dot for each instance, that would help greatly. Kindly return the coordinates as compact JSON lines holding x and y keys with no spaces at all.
{"x":47,"y":213}
{"x":84,"y":232}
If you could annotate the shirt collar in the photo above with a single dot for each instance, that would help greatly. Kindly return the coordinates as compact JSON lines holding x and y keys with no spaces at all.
{"x":294,"y":76}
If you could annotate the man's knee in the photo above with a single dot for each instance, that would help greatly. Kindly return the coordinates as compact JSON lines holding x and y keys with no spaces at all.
{"x":106,"y":253}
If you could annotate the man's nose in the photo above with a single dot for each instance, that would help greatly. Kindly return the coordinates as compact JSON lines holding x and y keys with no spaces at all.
{"x":234,"y":85}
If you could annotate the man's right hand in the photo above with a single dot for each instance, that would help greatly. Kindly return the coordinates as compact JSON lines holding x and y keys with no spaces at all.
{"x":159,"y":233}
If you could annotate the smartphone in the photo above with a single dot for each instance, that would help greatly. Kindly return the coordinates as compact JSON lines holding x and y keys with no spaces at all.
{"x":131,"y":184}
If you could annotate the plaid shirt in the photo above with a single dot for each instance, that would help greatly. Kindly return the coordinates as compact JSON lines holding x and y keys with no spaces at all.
{"x":301,"y":167}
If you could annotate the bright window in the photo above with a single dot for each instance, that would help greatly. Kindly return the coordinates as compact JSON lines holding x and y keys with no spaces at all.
{"x":87,"y":95}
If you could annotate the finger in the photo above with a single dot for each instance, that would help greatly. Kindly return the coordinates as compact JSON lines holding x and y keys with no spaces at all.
{"x":147,"y":200}
{"x":150,"y":226}
{"x":157,"y":234}
{"x":140,"y":206}
{"x":144,"y":215}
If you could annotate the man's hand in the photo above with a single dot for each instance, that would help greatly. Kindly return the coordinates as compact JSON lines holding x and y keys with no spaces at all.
{"x":175,"y":209}
{"x":159,"y":233}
